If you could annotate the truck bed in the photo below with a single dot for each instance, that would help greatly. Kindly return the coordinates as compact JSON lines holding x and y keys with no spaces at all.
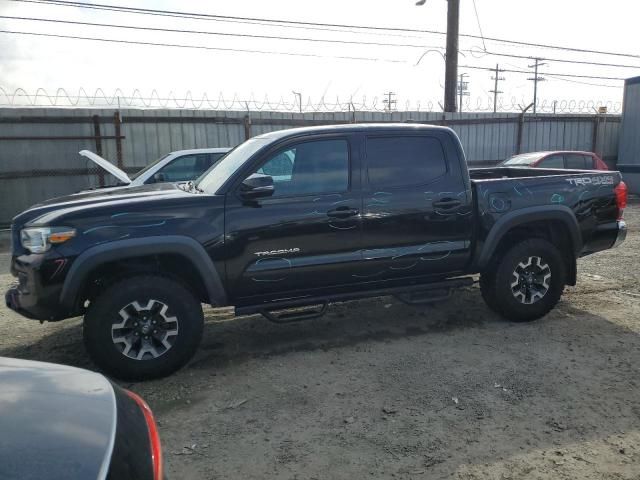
{"x":522,"y":172}
{"x":588,"y":196}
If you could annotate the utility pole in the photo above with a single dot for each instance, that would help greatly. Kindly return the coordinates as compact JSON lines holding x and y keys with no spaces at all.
{"x":463,"y":89}
{"x":535,"y":80}
{"x":451,"y":57}
{"x":496,"y":78}
{"x":389,"y":102}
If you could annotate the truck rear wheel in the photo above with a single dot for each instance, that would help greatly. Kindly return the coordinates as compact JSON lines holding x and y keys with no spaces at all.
{"x":526,"y":282}
{"x":143,"y":327}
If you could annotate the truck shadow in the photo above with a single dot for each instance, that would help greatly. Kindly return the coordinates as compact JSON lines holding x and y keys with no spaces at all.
{"x":346,"y":324}
{"x":234,"y":339}
{"x":520,"y":388}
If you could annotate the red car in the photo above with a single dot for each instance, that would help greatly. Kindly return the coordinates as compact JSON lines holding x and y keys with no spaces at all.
{"x":557,"y":159}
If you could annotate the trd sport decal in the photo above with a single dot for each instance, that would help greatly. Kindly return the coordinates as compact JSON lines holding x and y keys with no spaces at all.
{"x":603,"y":180}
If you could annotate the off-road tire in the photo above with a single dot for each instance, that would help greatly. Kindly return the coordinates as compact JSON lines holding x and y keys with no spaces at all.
{"x":105,"y":310}
{"x":496,"y":282}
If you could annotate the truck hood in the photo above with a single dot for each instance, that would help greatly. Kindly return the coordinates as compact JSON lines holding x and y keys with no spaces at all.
{"x":56,"y":421}
{"x":107,"y":165}
{"x":45,"y":212}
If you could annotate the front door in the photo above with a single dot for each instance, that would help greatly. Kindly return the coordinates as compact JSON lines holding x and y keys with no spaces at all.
{"x":307,"y":234}
{"x":417,"y":217}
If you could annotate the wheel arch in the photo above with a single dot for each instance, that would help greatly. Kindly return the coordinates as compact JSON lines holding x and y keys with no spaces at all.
{"x":530,"y":218}
{"x":180,"y":246}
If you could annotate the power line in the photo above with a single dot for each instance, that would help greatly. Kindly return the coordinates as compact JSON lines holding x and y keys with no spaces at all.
{"x":306,"y":39}
{"x":283,"y":23}
{"x":226,"y":34}
{"x":557,"y":77}
{"x":475,"y":9}
{"x":559,"y":60}
{"x":550,"y":74}
{"x":201,"y":47}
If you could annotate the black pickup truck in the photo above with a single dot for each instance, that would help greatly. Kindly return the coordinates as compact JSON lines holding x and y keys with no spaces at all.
{"x":299,"y":218}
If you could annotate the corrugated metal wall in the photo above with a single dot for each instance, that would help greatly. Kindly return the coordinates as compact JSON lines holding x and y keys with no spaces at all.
{"x":629,"y":157}
{"x":32,"y":170}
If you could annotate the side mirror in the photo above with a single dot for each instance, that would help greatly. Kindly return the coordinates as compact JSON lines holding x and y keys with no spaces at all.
{"x":256,"y":185}
{"x":159,"y":178}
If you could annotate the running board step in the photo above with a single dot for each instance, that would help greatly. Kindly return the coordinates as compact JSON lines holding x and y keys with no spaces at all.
{"x":309,"y":301}
{"x":297,"y":315}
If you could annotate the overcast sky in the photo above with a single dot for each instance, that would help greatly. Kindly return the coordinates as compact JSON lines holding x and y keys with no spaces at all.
{"x":50,"y":63}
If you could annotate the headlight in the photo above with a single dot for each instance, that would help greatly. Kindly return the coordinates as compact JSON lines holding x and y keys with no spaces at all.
{"x":40,"y":239}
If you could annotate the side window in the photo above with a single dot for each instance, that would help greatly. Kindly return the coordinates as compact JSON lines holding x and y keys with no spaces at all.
{"x":404,"y":161}
{"x":280,"y":167}
{"x":554,"y":161}
{"x":185,"y":168}
{"x":320,"y":166}
{"x":579,"y":162}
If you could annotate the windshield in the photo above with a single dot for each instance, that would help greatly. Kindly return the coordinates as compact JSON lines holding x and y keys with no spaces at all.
{"x":524,"y":159}
{"x":214,"y":178}
{"x":148,"y":167}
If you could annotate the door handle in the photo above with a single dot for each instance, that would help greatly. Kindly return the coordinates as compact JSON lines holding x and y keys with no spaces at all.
{"x":343,"y":212}
{"x":447,"y":203}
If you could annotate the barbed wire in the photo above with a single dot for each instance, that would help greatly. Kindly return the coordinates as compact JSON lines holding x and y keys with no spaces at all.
{"x":20,"y":97}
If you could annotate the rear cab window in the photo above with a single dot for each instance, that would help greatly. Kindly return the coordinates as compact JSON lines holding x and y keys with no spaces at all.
{"x":401,"y":161}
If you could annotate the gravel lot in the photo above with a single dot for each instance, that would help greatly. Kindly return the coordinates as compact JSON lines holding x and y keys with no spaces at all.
{"x":378,"y":389}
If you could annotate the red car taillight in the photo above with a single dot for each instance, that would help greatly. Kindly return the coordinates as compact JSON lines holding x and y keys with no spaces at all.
{"x":621,"y":198}
{"x":154,"y":437}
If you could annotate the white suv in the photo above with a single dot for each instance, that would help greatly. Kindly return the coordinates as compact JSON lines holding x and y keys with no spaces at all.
{"x":174,"y":167}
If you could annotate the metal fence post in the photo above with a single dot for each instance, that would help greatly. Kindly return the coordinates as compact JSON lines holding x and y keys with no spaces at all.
{"x":98,"y":140}
{"x":116,"y":125}
{"x":521,"y":128}
{"x":247,"y":127}
{"x":596,"y":131}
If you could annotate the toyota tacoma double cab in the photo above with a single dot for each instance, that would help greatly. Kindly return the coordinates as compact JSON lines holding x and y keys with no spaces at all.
{"x":293,"y":220}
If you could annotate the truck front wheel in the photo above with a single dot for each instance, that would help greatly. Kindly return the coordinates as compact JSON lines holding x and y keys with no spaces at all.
{"x":143,"y":327}
{"x":526,"y":282}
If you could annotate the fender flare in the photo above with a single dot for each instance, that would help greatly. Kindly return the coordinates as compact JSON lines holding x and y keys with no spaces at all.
{"x":527,"y":215}
{"x":136,"y":247}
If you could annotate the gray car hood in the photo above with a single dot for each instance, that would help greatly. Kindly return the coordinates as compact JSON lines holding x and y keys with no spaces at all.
{"x":56,"y":422}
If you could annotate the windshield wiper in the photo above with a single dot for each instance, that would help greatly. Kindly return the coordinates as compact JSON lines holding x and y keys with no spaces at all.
{"x":191,"y":186}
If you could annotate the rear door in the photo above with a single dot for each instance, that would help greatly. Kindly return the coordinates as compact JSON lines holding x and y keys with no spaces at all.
{"x":307,"y":235}
{"x":417,"y":216}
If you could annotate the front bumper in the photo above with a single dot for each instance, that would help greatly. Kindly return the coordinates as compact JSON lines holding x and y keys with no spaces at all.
{"x":31,"y":297}
{"x":622,"y":233}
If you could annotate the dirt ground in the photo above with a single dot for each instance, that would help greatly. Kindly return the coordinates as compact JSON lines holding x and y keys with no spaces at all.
{"x":379,"y":389}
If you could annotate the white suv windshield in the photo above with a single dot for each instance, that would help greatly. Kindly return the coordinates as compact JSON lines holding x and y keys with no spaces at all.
{"x":214,"y":178}
{"x":149,"y":167}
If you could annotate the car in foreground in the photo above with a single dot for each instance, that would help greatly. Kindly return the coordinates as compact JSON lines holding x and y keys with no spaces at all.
{"x":567,"y":159}
{"x":174,"y":167}
{"x":300,"y":218}
{"x":60,"y":422}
